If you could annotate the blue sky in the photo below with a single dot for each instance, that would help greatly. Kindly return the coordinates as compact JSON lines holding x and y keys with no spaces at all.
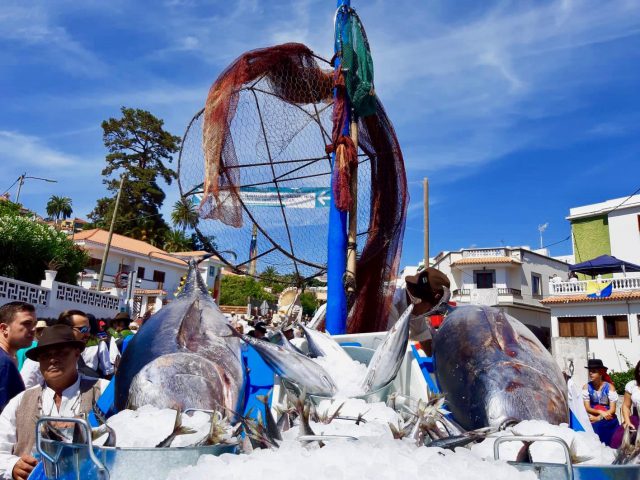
{"x":516,"y":111}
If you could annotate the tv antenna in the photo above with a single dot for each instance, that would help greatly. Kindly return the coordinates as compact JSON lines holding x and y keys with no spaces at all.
{"x":541,"y":229}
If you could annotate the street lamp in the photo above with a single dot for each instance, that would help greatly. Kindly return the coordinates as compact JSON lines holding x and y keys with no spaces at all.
{"x":23,"y":177}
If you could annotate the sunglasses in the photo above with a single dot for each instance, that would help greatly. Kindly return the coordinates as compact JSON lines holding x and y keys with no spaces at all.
{"x":82,"y":329}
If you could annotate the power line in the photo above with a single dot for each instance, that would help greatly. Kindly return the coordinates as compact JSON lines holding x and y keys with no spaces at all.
{"x":7,"y":190}
{"x":559,"y":241}
{"x":624,"y":201}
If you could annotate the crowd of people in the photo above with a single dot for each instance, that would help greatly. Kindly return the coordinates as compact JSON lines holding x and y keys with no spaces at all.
{"x":60,"y":367}
{"x":57,"y":368}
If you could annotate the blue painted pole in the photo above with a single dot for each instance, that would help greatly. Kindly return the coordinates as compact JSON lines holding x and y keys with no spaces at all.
{"x":336,"y":319}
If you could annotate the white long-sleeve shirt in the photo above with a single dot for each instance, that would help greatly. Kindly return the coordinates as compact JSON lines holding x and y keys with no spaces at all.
{"x":94,"y":356}
{"x":69,"y":407}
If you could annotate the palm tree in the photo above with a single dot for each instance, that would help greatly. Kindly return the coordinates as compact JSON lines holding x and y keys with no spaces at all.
{"x":59,"y":207}
{"x":176,"y":241}
{"x":184,"y":214}
{"x":269,"y":276}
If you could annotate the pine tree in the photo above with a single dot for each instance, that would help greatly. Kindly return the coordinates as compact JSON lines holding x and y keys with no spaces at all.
{"x":139,"y":146}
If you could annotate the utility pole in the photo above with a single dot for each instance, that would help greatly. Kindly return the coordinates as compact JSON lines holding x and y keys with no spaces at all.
{"x":105,"y":255}
{"x":425,"y":184}
{"x":23,"y":177}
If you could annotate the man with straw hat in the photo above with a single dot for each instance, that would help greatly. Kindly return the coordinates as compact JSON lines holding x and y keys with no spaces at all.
{"x":63,"y":393}
{"x":425,"y":290}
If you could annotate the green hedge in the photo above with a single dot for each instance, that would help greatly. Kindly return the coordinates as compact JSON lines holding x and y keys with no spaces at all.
{"x":620,"y":379}
{"x":29,"y":248}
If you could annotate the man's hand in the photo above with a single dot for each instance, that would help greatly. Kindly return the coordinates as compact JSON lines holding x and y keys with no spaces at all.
{"x":23,"y":467}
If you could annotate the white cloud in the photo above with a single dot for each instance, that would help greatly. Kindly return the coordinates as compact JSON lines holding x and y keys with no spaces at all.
{"x":34,"y":30}
{"x":30,"y":151}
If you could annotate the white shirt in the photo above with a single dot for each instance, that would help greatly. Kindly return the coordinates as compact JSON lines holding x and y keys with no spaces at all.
{"x":30,"y":373}
{"x":632,"y":389}
{"x":97,"y":358}
{"x":69,"y":407}
{"x":114,"y":353}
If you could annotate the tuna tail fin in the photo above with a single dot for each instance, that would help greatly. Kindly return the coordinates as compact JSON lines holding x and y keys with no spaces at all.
{"x":524,"y":455}
{"x":194,"y":280}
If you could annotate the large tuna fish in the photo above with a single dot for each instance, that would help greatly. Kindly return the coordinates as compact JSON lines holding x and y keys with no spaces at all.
{"x":183,"y":356}
{"x":491,"y":368}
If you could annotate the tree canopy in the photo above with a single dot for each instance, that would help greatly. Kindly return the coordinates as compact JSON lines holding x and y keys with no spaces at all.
{"x":59,"y":207}
{"x":184,"y":214}
{"x":235,"y":290}
{"x":29,"y":247}
{"x":141,"y":148}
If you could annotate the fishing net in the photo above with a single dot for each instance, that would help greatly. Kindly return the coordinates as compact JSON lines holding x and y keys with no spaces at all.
{"x":257,"y":159}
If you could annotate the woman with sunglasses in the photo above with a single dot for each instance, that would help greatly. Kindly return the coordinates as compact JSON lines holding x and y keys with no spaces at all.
{"x":600,"y":399}
{"x":94,"y":361}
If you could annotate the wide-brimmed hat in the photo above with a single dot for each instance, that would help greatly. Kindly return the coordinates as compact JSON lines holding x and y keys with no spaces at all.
{"x":123,"y":316}
{"x":41,"y":324}
{"x":595,"y":363}
{"x":55,"y":335}
{"x":426,"y":284}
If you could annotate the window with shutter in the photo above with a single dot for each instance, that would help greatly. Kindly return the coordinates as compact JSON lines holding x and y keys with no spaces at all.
{"x":616,"y":326}
{"x":578,"y":327}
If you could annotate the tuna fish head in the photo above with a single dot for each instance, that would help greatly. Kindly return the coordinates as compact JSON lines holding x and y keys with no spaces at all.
{"x":492,"y":368}
{"x":178,"y":381}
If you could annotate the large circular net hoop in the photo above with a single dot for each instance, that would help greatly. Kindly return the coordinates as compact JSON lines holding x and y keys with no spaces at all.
{"x":255,"y":161}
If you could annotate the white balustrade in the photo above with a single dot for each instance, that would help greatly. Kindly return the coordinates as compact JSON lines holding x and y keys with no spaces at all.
{"x":54,"y":297}
{"x":71,"y":293}
{"x":15,"y":290}
{"x":580,"y":287}
{"x":488,"y":252}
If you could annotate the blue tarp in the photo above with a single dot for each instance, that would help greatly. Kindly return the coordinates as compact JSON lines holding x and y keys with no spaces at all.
{"x":604,"y":264}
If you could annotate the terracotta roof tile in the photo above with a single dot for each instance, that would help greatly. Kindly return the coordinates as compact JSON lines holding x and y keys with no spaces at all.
{"x":482,"y":260}
{"x":121,"y":242}
{"x":615,"y":296}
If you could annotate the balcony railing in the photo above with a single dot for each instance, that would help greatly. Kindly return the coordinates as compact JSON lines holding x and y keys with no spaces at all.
{"x":485,"y":252}
{"x":460,"y":292}
{"x":580,"y":287}
{"x":510,"y":291}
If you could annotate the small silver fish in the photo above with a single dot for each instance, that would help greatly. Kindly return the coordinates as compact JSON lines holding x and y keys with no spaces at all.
{"x":322,"y":345}
{"x":293,"y":366}
{"x":388,"y":357}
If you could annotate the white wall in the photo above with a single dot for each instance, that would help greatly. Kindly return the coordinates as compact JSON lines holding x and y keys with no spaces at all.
{"x":624,"y":234}
{"x":173,"y":271}
{"x":612,"y":351}
{"x":52,"y":298}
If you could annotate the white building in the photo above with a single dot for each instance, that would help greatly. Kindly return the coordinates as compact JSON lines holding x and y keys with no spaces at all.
{"x":605,"y":328}
{"x":512,"y":278}
{"x":155,"y":273}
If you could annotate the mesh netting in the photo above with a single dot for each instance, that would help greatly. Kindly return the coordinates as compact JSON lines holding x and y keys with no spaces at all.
{"x":264,"y":131}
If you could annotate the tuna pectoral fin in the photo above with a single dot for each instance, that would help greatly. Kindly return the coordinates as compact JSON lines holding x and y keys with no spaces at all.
{"x":191,"y":331}
{"x":505,"y":335}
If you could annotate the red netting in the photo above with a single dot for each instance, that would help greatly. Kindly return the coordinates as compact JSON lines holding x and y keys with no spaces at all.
{"x":287,"y":93}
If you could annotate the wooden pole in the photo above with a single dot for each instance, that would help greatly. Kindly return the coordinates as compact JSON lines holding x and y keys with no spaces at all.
{"x":105,"y":255}
{"x":425,"y":183}
{"x":352,"y":250}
